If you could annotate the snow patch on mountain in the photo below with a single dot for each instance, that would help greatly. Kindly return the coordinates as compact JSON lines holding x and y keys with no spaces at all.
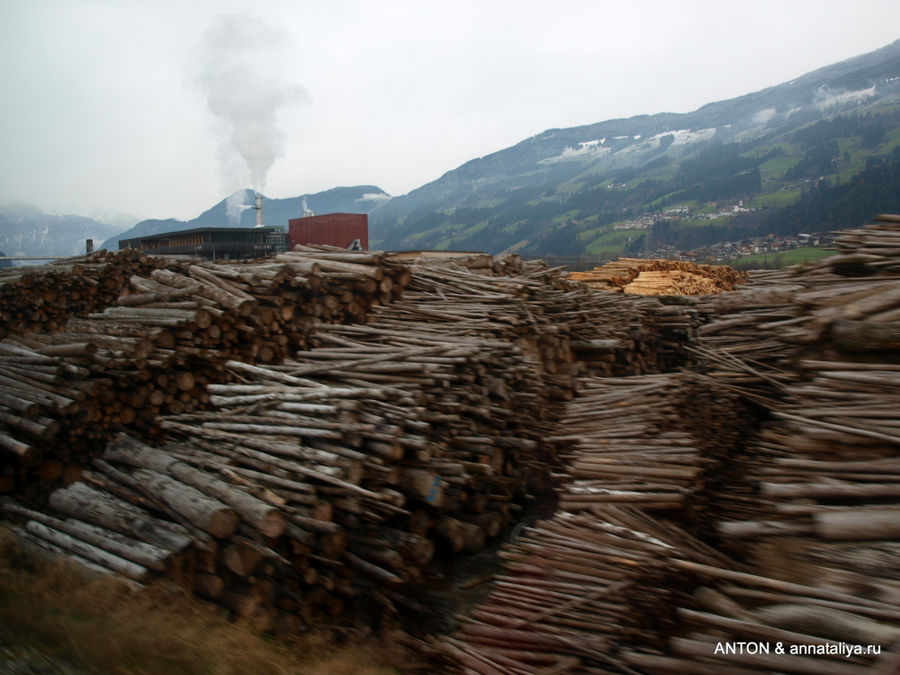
{"x":592,"y":148}
{"x":826,"y":99}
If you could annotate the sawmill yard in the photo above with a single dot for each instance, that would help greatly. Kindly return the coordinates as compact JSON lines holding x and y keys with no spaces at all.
{"x":328,"y":461}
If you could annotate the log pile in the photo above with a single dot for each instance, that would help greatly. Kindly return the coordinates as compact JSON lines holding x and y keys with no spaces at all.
{"x":614,"y":334}
{"x":827,"y":370}
{"x":622,"y":443}
{"x":820,"y":496}
{"x":614,"y":590}
{"x":41,"y":298}
{"x":812,"y":503}
{"x":737,"y":622}
{"x":660,"y":277}
{"x":666,"y":443}
{"x":154,"y":350}
{"x":337,"y":436}
{"x":574,"y":590}
{"x":335,"y":473}
{"x":671,"y":282}
{"x":738,"y":343}
{"x":604,"y":586}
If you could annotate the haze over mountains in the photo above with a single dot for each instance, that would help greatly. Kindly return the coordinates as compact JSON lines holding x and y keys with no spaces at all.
{"x":813,"y":154}
{"x":25,"y":230}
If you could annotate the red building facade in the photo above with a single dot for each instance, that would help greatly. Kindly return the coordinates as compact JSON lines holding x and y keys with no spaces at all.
{"x":334,"y":229}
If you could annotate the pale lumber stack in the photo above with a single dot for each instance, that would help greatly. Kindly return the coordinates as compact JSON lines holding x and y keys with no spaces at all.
{"x":41,"y":298}
{"x":660,"y":277}
{"x":671,"y":282}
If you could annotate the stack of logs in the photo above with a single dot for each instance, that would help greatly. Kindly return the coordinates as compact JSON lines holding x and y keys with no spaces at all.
{"x":574,"y":591}
{"x":170,"y":334}
{"x":821,"y":493}
{"x":41,"y":298}
{"x":604,"y":586}
{"x":826,"y":472}
{"x":811,"y":504}
{"x":284,"y":484}
{"x":612,"y":334}
{"x":660,"y":277}
{"x":336,"y":472}
{"x":659,"y":441}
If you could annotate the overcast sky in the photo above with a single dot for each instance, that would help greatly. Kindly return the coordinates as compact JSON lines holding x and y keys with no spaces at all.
{"x":162,"y":108}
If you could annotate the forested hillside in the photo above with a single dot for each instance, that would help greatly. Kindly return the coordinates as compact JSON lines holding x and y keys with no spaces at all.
{"x":810,"y":155}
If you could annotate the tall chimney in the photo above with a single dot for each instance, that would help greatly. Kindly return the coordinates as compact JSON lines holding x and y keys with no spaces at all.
{"x":259,"y":213}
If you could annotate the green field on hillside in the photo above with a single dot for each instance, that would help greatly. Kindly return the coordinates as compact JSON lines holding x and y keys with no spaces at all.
{"x":783,"y":258}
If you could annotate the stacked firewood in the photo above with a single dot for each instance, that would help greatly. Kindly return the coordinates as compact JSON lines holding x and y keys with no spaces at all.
{"x":41,"y":298}
{"x":660,"y":277}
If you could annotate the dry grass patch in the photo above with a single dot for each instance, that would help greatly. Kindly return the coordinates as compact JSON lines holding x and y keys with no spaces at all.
{"x":103,"y":626}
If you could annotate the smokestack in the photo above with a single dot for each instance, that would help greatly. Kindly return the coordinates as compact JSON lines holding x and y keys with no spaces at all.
{"x":259,"y":213}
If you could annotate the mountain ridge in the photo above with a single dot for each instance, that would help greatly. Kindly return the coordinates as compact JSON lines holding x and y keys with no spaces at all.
{"x":475,"y":205}
{"x":26,"y":230}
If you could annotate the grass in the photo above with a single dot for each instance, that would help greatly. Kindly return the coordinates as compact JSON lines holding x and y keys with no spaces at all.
{"x":102,"y":626}
{"x":613,"y":241}
{"x":778,"y":166}
{"x":783,"y":258}
{"x":776,"y":199}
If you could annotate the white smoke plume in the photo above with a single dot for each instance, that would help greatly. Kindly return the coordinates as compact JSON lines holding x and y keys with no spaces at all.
{"x":233,"y":71}
{"x":235,"y":206}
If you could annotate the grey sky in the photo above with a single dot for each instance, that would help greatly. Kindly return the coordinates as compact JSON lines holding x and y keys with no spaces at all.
{"x":104,"y":106}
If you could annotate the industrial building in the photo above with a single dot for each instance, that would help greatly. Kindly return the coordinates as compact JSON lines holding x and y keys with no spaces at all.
{"x":214,"y":243}
{"x":346,"y":230}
